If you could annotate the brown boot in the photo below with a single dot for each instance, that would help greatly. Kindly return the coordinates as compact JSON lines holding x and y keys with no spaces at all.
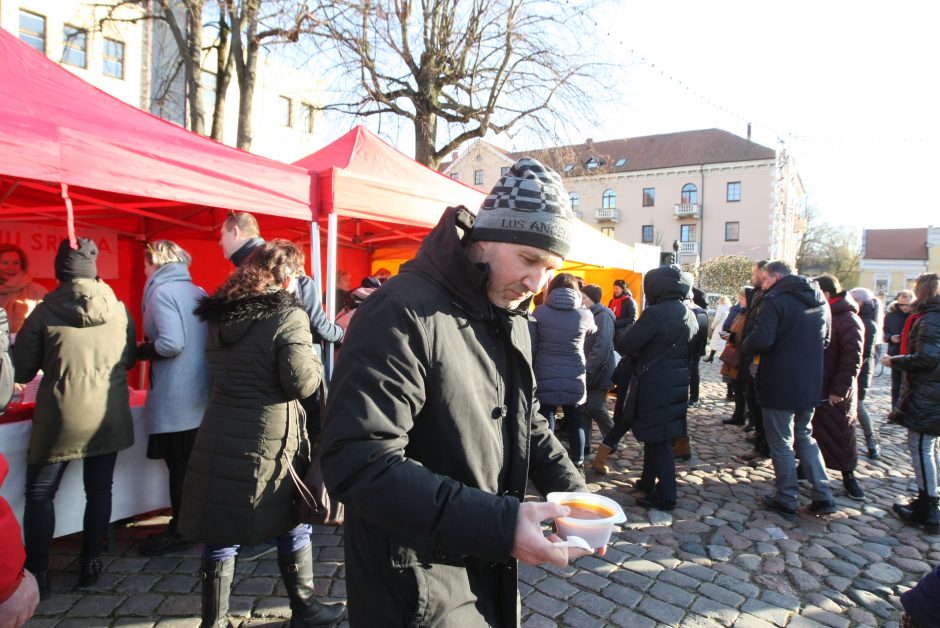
{"x":600,"y":460}
{"x":681,"y":449}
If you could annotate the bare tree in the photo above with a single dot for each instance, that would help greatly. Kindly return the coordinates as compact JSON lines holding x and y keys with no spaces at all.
{"x":827,"y":248}
{"x":479,"y":66}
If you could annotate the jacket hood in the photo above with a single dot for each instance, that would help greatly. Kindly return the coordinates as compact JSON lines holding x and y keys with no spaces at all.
{"x":443,"y":259}
{"x":802,"y":288}
{"x":869,"y":310}
{"x":563,"y":299}
{"x":234,"y":318}
{"x":167,"y":273}
{"x":666,"y":283}
{"x":844,"y":303}
{"x":82,"y":302}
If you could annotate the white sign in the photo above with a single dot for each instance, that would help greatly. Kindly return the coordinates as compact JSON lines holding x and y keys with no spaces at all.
{"x":42,"y":241}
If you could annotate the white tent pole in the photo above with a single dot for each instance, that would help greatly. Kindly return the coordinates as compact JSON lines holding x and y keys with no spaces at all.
{"x":332,"y":226}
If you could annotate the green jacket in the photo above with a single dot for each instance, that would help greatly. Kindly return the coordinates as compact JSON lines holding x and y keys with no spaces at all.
{"x":82,"y":337}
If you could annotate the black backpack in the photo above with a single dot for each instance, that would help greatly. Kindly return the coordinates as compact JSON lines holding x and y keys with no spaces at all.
{"x":6,"y":362}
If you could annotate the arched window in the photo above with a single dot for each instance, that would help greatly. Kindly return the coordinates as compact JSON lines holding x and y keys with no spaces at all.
{"x":575,"y":200}
{"x":689,"y":194}
{"x":609,"y":200}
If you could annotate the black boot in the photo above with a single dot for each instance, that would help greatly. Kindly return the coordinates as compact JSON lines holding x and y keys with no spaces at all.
{"x":306,"y":610}
{"x":89,"y":572}
{"x":915,"y":511}
{"x":216,"y":587}
{"x":932,"y":519}
{"x":710,"y":358}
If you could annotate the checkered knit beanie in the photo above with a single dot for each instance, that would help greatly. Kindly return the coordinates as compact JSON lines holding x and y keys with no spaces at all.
{"x":528,"y":205}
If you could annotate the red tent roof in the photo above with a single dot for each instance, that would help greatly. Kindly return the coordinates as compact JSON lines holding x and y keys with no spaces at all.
{"x":56,"y":128}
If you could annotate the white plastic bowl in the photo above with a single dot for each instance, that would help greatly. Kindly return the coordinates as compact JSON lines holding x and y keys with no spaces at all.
{"x":595,"y":531}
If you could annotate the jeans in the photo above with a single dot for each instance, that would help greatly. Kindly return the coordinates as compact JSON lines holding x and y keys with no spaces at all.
{"x":864,"y":419}
{"x":925,"y":457}
{"x":575,"y":420}
{"x":42,"y":482}
{"x":595,"y":409}
{"x":288,"y":543}
{"x":789,"y":436}
{"x":659,"y":470}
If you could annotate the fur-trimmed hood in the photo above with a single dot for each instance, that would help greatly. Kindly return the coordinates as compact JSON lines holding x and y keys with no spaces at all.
{"x":234,"y":318}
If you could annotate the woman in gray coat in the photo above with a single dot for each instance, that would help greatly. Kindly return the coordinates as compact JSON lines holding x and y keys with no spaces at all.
{"x":558,"y":334}
{"x":238,"y":489}
{"x":174,"y":342}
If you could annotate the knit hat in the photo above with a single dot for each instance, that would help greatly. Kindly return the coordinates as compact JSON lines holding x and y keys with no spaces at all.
{"x":76,"y":263}
{"x":528,"y":205}
{"x":593,"y":291}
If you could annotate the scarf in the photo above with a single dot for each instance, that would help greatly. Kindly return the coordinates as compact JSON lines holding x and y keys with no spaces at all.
{"x":905,"y":335}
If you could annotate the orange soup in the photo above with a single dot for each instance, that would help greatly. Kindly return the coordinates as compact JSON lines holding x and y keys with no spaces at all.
{"x":584,"y":510}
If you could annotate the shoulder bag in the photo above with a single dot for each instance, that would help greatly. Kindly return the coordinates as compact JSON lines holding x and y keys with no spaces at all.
{"x":312,"y":503}
{"x":631,"y":399}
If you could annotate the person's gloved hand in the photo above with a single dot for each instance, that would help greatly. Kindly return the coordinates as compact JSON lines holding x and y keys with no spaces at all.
{"x":147,"y":351}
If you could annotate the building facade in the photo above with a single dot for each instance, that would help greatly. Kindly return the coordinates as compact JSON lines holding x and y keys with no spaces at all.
{"x":712,"y":191}
{"x":110,"y":55}
{"x":893,"y":258}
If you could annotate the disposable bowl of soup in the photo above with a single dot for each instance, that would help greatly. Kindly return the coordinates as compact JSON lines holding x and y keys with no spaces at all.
{"x":591,"y":517}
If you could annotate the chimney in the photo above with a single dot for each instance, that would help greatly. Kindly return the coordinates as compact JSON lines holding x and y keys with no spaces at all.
{"x":453,"y":155}
{"x":749,"y":131}
{"x":589,"y":142}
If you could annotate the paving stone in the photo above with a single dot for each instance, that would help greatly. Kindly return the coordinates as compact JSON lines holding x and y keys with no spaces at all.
{"x":672,"y":594}
{"x":815,"y":616}
{"x":622,"y":596}
{"x":96,"y":605}
{"x":557,"y":588}
{"x":131,"y":622}
{"x":631,"y":579}
{"x":883,"y":572}
{"x":738,"y":586}
{"x":766,"y":611}
{"x":721,"y":594}
{"x":139,"y":583}
{"x":749,"y":621}
{"x":140,"y":604}
{"x":57,"y":603}
{"x":254,"y":586}
{"x":535,"y":620}
{"x":545,"y":605}
{"x":629,"y":619}
{"x":187,"y":605}
{"x":679,"y":579}
{"x":590,"y":581}
{"x":577,"y":618}
{"x":531,"y":575}
{"x":643,"y":567}
{"x":594,"y":604}
{"x":661,"y":611}
{"x":872,"y":602}
{"x":176,"y":583}
{"x":715,"y":611}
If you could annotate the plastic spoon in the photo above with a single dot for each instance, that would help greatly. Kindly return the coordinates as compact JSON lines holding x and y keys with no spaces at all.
{"x":574,"y":541}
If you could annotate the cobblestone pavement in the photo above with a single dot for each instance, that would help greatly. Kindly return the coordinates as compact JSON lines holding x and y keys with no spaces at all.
{"x":717,"y":559}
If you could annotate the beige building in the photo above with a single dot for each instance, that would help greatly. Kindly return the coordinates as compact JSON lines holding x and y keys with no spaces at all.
{"x":893,"y":258}
{"x":710,"y":190}
{"x":108,"y":55}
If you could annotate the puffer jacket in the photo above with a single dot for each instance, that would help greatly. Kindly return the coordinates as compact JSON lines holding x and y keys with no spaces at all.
{"x":431,"y":434}
{"x":599,"y":349}
{"x":558,"y":330}
{"x":918,"y":406}
{"x":790,"y":333}
{"x":663,"y":332}
{"x":834,"y":425}
{"x":82,"y":337}
{"x":893,"y":325}
{"x":237,"y":488}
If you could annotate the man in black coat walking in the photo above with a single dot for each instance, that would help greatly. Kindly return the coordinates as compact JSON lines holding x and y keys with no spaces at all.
{"x":791,"y":331}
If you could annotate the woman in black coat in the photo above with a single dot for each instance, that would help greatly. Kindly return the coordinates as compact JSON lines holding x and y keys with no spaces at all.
{"x":658,"y":344}
{"x":918,"y":406}
{"x":238,"y":490}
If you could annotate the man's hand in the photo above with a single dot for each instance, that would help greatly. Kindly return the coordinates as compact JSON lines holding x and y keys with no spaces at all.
{"x":886,"y":360}
{"x":835,"y":399}
{"x":20,"y":606}
{"x":531,"y":546}
{"x":896,"y":339}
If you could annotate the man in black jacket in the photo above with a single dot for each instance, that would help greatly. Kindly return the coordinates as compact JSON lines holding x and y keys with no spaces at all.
{"x":432,"y":428}
{"x":893,"y":325}
{"x":790,"y":333}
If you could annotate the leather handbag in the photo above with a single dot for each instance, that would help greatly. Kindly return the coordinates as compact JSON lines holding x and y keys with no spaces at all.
{"x":311,"y":502}
{"x":631,"y":401}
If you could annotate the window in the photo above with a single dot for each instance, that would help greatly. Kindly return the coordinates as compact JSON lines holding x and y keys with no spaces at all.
{"x":308,"y":117}
{"x":608,"y":231}
{"x":609,"y":200}
{"x":33,"y":30}
{"x":74,"y":42}
{"x":621,"y":162}
{"x":689,"y":194}
{"x":503,"y":171}
{"x":882,"y":284}
{"x":647,"y":236}
{"x":286,"y":111}
{"x":734,"y":191}
{"x":575,"y":199}
{"x":477,"y":177}
{"x":687,"y":233}
{"x":113,"y":58}
{"x":649,"y":197}
{"x":568,"y":168}
{"x":591,"y":163}
{"x":732,"y":231}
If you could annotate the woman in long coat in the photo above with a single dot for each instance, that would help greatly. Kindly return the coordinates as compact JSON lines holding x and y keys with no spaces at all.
{"x":659,"y":345}
{"x":558,"y":331}
{"x":835,"y":417}
{"x":175,"y":344}
{"x":82,"y":338}
{"x":918,"y":406}
{"x":238,"y":488}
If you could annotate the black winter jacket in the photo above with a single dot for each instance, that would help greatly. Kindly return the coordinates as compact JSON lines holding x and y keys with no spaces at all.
{"x":260,"y":352}
{"x":893,"y":326}
{"x":869,"y":313}
{"x":664,"y":389}
{"x":431,"y":433}
{"x":919,"y":403}
{"x":790,"y":332}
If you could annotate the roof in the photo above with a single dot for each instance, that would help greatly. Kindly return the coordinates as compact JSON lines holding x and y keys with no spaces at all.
{"x":57,"y":129}
{"x":651,"y":152}
{"x":896,"y":244}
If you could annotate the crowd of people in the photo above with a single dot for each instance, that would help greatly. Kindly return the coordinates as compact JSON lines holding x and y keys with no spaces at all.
{"x":445,"y":401}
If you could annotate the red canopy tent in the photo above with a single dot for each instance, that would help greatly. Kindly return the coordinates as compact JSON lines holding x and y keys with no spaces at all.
{"x":379,"y":204}
{"x":126,"y":171}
